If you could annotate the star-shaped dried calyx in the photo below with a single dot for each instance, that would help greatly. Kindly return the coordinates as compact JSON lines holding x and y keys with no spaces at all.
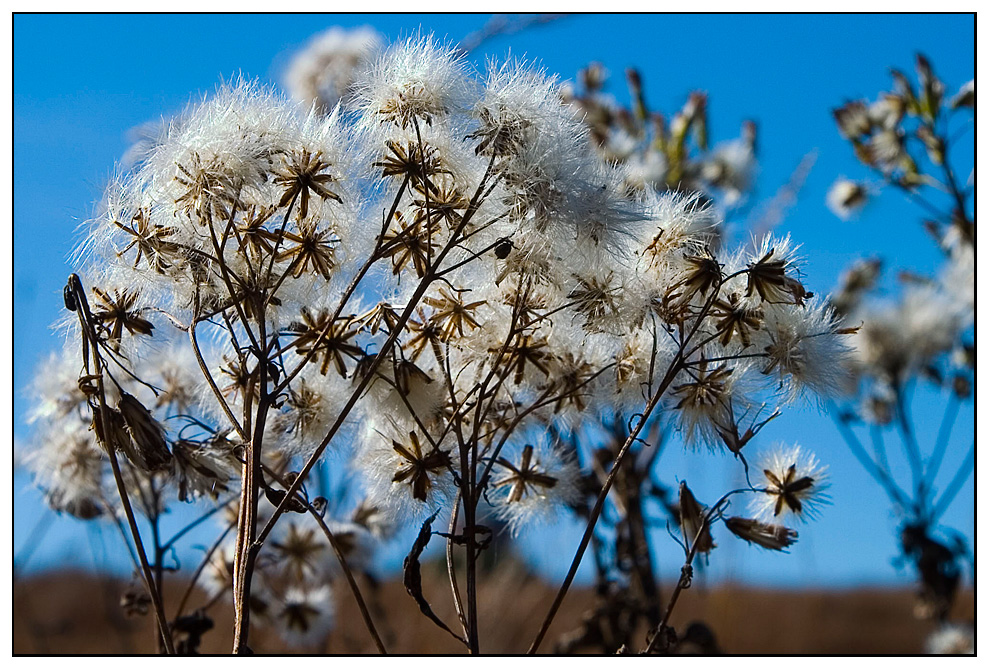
{"x":733,"y":317}
{"x":525,"y":479}
{"x":313,"y":249}
{"x":413,"y":242}
{"x":788,"y":488}
{"x":418,"y":469}
{"x":151,"y":241}
{"x":452,"y":315}
{"x":302,"y":174}
{"x":116,"y":313}
{"x":332,"y":342}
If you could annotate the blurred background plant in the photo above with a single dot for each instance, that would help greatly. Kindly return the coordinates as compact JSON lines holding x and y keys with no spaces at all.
{"x":920,"y":334}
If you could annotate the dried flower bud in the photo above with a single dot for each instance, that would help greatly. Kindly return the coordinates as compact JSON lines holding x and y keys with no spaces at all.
{"x":593,"y":77}
{"x":934,"y":144}
{"x":961,"y":386}
{"x":931,"y":87}
{"x":966,"y":97}
{"x":151,"y":452}
{"x":695,"y":528}
{"x":766,"y":535}
{"x":111,"y":431}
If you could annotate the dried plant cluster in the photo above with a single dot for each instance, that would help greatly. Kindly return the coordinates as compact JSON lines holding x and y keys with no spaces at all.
{"x":442,"y":279}
{"x":657,"y":153}
{"x":924,"y":335}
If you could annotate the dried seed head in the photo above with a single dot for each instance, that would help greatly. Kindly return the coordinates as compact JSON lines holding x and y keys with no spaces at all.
{"x":768,"y":536}
{"x":150,"y":449}
{"x":795,"y":483}
{"x":695,"y":528}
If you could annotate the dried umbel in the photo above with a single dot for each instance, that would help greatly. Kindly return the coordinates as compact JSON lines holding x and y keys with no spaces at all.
{"x":424,"y":278}
{"x":655,"y":151}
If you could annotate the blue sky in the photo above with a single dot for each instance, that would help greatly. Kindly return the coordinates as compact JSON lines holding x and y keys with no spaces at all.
{"x":80,"y":82}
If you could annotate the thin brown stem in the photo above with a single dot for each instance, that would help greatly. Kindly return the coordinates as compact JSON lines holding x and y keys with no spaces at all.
{"x":246,"y":550}
{"x":451,"y":573}
{"x":235,"y":424}
{"x":89,"y":336}
{"x":686,"y":570}
{"x":199,"y":569}
{"x":676,"y":365}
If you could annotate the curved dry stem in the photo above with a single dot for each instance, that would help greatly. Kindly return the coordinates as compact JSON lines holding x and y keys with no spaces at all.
{"x":199,"y":570}
{"x":676,"y":365}
{"x":89,"y":337}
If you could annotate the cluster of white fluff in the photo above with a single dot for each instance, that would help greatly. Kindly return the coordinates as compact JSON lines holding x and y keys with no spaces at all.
{"x":795,"y":484}
{"x":916,"y":332}
{"x":540,"y":292}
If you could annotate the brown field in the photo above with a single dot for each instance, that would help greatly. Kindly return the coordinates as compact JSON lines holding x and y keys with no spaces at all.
{"x":78,"y":613}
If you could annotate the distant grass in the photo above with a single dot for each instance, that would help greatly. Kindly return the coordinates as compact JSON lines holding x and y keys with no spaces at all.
{"x":78,"y":613}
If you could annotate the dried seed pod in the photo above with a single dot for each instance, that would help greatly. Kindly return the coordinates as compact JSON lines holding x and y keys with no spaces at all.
{"x":69,"y":297}
{"x":151,"y":451}
{"x":766,"y":535}
{"x":111,"y":432}
{"x":694,"y":526}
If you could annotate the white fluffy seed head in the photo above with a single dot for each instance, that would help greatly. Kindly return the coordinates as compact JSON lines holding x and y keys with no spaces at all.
{"x":795,"y":484}
{"x":412,"y":82}
{"x":533,"y":484}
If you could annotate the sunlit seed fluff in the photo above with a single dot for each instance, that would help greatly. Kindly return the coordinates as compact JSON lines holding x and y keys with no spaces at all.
{"x":677,"y":222}
{"x":203,"y":468}
{"x":519,"y":102}
{"x":301,"y":550}
{"x":896,"y":339}
{"x":235,"y":162}
{"x":406,"y":477}
{"x":803,"y":351}
{"x":959,"y":282}
{"x":175,"y":374}
{"x":533,"y":485}
{"x":794,"y":483}
{"x":644,"y":171}
{"x":951,"y":638}
{"x":220,"y":149}
{"x":69,"y":467}
{"x":312,"y":403}
{"x":886,"y":149}
{"x":704,"y":400}
{"x":218,"y":575}
{"x":412,"y":82}
{"x":731,"y":170}
{"x":356,"y":543}
{"x":55,"y":388}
